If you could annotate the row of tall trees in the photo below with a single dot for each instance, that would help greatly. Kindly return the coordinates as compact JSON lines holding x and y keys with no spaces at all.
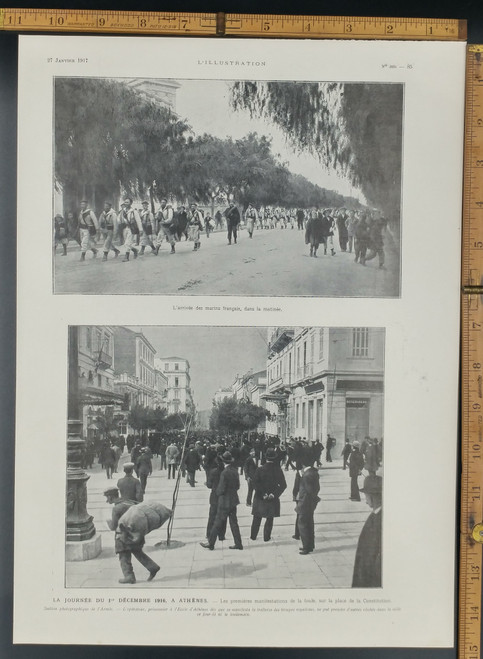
{"x":108,"y":138}
{"x":236,"y":416}
{"x":354,"y":129}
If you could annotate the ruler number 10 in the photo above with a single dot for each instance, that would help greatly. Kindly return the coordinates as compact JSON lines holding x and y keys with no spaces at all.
{"x":59,"y":21}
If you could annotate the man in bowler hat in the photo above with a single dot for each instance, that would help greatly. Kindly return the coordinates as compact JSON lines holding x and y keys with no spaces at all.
{"x":367,"y":564}
{"x":307,"y":500}
{"x":227,"y":492}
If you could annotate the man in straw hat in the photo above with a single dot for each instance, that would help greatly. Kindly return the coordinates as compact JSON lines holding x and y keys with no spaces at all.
{"x":228,"y":500}
{"x":367,"y":564}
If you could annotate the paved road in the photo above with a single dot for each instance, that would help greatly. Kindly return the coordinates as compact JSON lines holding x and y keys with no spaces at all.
{"x":275,"y":564}
{"x":275,"y":263}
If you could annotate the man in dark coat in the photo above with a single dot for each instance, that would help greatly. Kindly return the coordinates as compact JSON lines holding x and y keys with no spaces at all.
{"x":249,"y":469}
{"x":367,"y":564}
{"x":232,"y":215}
{"x":346,"y":451}
{"x":144,"y":466}
{"x":130,"y":487}
{"x":212,"y":480}
{"x":192,"y":462}
{"x":356,"y":464}
{"x":269,"y":484}
{"x":108,"y":458}
{"x":314,"y":234}
{"x":123,"y":548}
{"x":307,"y":500}
{"x":228,"y":500}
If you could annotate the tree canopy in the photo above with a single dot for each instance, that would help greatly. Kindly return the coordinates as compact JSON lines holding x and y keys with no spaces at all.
{"x":355,"y":129}
{"x":236,"y":416}
{"x":109,"y":139}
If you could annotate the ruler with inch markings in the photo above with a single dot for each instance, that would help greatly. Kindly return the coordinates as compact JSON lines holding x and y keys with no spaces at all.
{"x":343,"y":27}
{"x":471,"y":528}
{"x":235,"y":25}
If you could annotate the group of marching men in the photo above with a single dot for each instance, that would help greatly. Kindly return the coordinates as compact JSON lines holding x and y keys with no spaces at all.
{"x":138,"y":229}
{"x":362,"y":230}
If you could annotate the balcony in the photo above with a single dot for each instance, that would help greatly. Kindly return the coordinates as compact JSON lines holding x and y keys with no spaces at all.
{"x":280,"y":339}
{"x":280,"y":382}
{"x":305,"y":372}
{"x":103,"y":360}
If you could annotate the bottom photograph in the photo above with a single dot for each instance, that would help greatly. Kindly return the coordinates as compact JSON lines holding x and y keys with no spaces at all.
{"x":224,"y":457}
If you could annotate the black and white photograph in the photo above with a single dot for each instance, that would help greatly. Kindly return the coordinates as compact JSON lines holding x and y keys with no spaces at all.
{"x":227,"y":187}
{"x":260,"y":469}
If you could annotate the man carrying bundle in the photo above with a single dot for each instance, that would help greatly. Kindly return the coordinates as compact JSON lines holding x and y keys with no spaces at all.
{"x":131,"y":523}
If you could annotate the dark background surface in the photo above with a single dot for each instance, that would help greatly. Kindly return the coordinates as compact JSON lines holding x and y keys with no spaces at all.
{"x":471,"y":10}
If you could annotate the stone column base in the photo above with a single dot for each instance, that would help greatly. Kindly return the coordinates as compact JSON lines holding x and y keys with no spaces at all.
{"x":83,"y":550}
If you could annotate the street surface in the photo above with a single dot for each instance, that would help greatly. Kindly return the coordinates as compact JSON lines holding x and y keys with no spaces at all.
{"x":275,"y":262}
{"x":273,"y":564}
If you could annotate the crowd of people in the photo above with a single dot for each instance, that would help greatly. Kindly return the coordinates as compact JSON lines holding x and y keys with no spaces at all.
{"x":132,"y":230}
{"x":261,"y":462}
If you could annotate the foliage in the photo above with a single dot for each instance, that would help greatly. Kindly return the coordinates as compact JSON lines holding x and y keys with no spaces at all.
{"x":104,"y":132}
{"x":108,"y":138}
{"x":106,"y":422}
{"x":355,"y":129}
{"x":236,"y":416}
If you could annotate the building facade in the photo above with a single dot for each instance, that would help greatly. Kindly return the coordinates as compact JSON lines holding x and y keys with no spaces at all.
{"x":135,"y":370}
{"x":96,"y":364}
{"x":179,"y":397}
{"x":325,"y":380}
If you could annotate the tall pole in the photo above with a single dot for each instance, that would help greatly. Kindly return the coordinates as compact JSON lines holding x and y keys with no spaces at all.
{"x":79,"y":524}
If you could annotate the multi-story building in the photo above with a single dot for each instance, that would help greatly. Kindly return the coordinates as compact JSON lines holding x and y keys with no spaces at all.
{"x":96,"y":375}
{"x":325,"y":380}
{"x":158,"y":90}
{"x":135,"y":370}
{"x":179,"y":394}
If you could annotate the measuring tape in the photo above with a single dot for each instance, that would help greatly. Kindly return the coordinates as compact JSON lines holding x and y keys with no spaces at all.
{"x":233,"y":25}
{"x":469,"y":637}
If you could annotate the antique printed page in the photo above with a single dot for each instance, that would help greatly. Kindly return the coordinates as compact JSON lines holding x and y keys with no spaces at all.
{"x":238,"y":290}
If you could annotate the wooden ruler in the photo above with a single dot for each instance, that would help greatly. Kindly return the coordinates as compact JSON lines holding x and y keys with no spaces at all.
{"x":239,"y":25}
{"x":343,"y":27}
{"x":471,"y":529}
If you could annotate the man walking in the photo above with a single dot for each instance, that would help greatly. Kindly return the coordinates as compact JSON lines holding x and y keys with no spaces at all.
{"x":144,"y":467}
{"x":269,"y":484}
{"x":108,"y":227}
{"x":165,"y":226}
{"x":88,"y":227}
{"x":147,"y":221}
{"x":232,"y":215}
{"x":307,"y":500}
{"x":228,"y":500}
{"x":192,"y":462}
{"x":122,"y":544}
{"x":251,"y":217}
{"x":129,"y":486}
{"x":129,"y":217}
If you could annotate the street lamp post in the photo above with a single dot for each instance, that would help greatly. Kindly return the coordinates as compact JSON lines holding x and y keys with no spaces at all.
{"x":82,"y":542}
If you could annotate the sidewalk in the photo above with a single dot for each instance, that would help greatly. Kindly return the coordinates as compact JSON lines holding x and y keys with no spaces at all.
{"x":185,"y":564}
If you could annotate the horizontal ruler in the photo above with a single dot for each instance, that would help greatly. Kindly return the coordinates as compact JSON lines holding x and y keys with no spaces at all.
{"x":471,"y":527}
{"x":242,"y":25}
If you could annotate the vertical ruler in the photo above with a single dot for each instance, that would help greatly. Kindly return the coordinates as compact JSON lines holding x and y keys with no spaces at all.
{"x":471,"y":528}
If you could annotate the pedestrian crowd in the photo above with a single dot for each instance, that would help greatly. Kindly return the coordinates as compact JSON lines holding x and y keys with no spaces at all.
{"x":260,"y":460}
{"x":132,"y":230}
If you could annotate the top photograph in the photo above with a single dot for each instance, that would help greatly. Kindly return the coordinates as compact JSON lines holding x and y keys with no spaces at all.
{"x":227,"y":187}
